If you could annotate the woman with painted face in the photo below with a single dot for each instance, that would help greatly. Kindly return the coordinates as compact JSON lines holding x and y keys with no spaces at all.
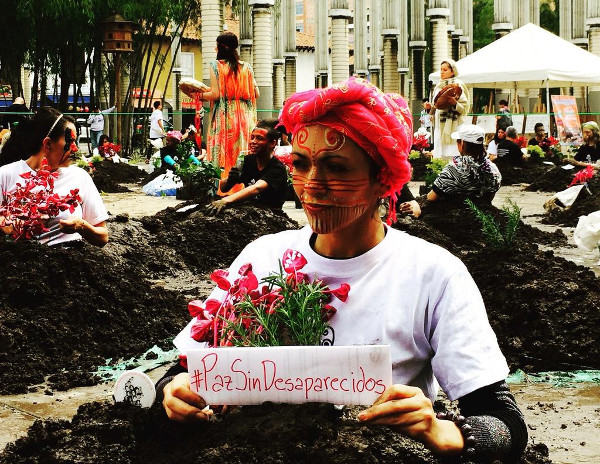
{"x":447,"y":120}
{"x":350,"y":153}
{"x":51,"y":136}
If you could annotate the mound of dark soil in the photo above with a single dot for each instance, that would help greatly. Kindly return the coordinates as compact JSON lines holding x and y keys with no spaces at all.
{"x":108,"y":176}
{"x":587,"y":202}
{"x":269,"y":434}
{"x":543,"y":308}
{"x":64,"y":311}
{"x":553,"y":180}
{"x":527,"y":173}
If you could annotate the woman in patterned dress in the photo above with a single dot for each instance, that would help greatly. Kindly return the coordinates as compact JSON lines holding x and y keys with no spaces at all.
{"x":233,"y":93}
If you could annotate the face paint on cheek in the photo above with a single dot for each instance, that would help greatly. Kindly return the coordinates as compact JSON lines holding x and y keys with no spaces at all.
{"x":330,"y":203}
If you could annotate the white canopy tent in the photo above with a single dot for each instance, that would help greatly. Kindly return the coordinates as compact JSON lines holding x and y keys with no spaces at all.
{"x":531,"y":57}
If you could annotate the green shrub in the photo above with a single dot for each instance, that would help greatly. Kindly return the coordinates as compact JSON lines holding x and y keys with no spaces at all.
{"x":535,"y":151}
{"x":414,"y":154}
{"x":496,"y":236}
{"x":433,"y":170}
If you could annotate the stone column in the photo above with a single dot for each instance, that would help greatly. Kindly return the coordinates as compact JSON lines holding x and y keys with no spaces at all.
{"x":520,"y":12}
{"x":454,"y":31}
{"x":262,"y":52}
{"x":502,"y":18}
{"x":593,"y":23}
{"x":360,"y":39}
{"x":245,"y":31}
{"x":290,"y":54}
{"x":418,"y":44}
{"x":278,"y":29}
{"x":375,"y":53}
{"x":438,"y":16}
{"x":390,"y":31}
{"x":466,"y":26}
{"x":321,"y":45}
{"x":212,"y":26}
{"x":340,"y":55}
{"x":403,"y":61}
{"x":534,"y":11}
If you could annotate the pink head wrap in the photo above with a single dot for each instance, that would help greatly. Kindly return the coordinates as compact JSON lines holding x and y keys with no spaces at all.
{"x":381,"y":124}
{"x":175,"y":135}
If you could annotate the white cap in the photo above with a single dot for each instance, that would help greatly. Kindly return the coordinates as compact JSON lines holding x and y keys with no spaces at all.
{"x":469,"y":133}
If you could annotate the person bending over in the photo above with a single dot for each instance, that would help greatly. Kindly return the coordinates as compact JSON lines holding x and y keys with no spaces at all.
{"x":263,"y":175}
{"x":471,"y":174}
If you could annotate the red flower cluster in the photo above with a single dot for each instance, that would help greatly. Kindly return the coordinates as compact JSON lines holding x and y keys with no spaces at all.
{"x":420,"y":143}
{"x":522,"y":141}
{"x":583,"y":176}
{"x":108,"y":150}
{"x":547,"y":143}
{"x":253,"y":316}
{"x":28,"y":207}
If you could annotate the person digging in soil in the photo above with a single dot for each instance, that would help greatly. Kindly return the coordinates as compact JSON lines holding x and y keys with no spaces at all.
{"x":471,"y":174}
{"x":263,"y":175}
{"x":350,"y":153}
{"x":50,"y":135}
{"x":169,"y":155}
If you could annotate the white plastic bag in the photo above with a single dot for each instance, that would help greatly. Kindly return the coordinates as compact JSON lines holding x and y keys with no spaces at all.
{"x":587,"y":232}
{"x":165,"y":184}
{"x":563,"y":199}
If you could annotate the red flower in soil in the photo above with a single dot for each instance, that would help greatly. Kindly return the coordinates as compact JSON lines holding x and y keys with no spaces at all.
{"x":583,"y":176}
{"x":293,"y":261}
{"x":219,"y":277}
{"x":522,"y":141}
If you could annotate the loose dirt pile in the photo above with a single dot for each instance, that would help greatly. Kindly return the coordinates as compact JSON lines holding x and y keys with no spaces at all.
{"x":267,"y":434}
{"x":108,"y":176}
{"x":587,"y":202}
{"x":64,"y":311}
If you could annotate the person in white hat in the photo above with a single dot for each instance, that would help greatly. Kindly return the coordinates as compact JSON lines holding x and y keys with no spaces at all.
{"x":471,"y":174}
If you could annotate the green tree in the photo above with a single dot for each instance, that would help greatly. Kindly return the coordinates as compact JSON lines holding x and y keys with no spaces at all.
{"x":483,"y":18}
{"x":549,"y":16}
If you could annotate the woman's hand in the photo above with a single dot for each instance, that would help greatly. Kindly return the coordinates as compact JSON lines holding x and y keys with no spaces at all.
{"x":71,"y":225}
{"x":408,"y":411}
{"x":181,"y":403}
{"x":410,"y":207}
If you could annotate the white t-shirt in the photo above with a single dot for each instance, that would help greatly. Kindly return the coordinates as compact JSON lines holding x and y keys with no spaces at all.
{"x":155,"y":130}
{"x":405,"y":292}
{"x":91,"y":209}
{"x":492,"y":148}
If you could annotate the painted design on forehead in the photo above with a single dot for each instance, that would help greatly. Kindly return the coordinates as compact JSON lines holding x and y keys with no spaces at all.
{"x":334,"y":140}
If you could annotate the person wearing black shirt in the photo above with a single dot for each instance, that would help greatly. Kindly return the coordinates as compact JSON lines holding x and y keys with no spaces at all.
{"x":263,"y":175}
{"x":589,"y":152}
{"x":540,"y":138}
{"x":13,"y":118}
{"x":508,"y":150}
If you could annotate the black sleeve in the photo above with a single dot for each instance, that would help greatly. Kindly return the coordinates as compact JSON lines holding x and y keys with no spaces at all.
{"x":581,"y":154}
{"x":497,"y":423}
{"x":405,"y":195}
{"x":165,"y":379}
{"x":275,"y":175}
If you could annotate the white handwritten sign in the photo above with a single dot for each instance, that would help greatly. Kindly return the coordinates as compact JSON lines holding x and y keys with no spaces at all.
{"x":354,"y":375}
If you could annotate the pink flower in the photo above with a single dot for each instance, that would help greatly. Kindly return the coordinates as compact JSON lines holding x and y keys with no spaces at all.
{"x":293,"y":261}
{"x":200,"y":330}
{"x":245,"y":269}
{"x":212,"y":306}
{"x":341,"y":293}
{"x":195,"y":307}
{"x":219,"y":277}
